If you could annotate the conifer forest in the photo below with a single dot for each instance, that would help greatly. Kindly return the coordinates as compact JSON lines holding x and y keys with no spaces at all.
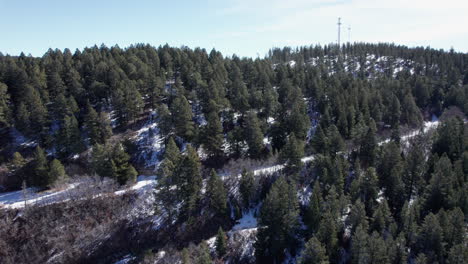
{"x":352,"y":153}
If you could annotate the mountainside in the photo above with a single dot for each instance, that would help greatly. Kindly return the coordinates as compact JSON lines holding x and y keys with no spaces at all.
{"x":320,"y":154}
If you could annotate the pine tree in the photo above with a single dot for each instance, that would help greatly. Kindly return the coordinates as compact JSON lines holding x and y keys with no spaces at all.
{"x":164,"y":119}
{"x":101,"y":161}
{"x":320,"y":142}
{"x":254,"y":136}
{"x":247,"y":187}
{"x":360,"y":246}
{"x":168,"y":173}
{"x":378,"y":249}
{"x":394,"y":112}
{"x":91,"y":123}
{"x":430,"y":239}
{"x":182,"y":118}
{"x":391,"y":171}
{"x":439,"y":193}
{"x":97,"y":126}
{"x":40,"y":167}
{"x":18,"y":161}
{"x":5,"y":111}
{"x":314,"y":253}
{"x":278,"y":223}
{"x":185,"y":256}
{"x":204,"y":254}
{"x":124,"y":171}
{"x":22,"y":118}
{"x":298,"y":121}
{"x":382,"y":218}
{"x":367,"y":189}
{"x":221,"y":243}
{"x":327,"y":234}
{"x":190,"y":180}
{"x":291,"y":155}
{"x":217,"y":194}
{"x":69,"y":139}
{"x":336,"y":141}
{"x":172,"y":152}
{"x":357,"y":217}
{"x":368,"y":146}
{"x":313,"y":214}
{"x":458,"y":254}
{"x":239,"y":96}
{"x":213,"y":136}
{"x":56,"y":172}
{"x":414,"y":170}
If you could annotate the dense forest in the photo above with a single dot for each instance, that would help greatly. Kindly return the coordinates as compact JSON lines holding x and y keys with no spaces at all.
{"x":361,"y":179}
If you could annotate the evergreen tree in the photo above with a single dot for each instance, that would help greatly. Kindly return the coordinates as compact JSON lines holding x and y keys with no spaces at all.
{"x":101,"y":161}
{"x":168,"y":173}
{"x":360,"y":246}
{"x":56,"y":172}
{"x":320,"y":142}
{"x":458,"y":254}
{"x":440,"y":193}
{"x":17,"y":161}
{"x":313,"y":214}
{"x":217,"y":194}
{"x":382,"y":218}
{"x":247,"y":187}
{"x":430,"y":239}
{"x":5,"y":111}
{"x":22,"y":118}
{"x":394,"y":112}
{"x":336,"y":141}
{"x":291,"y":155}
{"x":414,"y":170}
{"x":327,"y":234}
{"x":450,"y":139}
{"x":182,"y":118}
{"x":204,"y":254}
{"x":254,"y":136}
{"x":221,"y":243}
{"x":213,"y":136}
{"x":164,"y":120}
{"x":314,"y":253}
{"x":124,"y":171}
{"x":279,"y":223}
{"x":40,"y":167}
{"x":97,"y":126}
{"x":69,"y":139}
{"x":172,"y":152}
{"x":368,"y":148}
{"x":190,"y":180}
{"x":391,"y":171}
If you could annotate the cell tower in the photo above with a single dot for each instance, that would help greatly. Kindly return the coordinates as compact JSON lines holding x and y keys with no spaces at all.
{"x":339,"y":29}
{"x":349,"y":33}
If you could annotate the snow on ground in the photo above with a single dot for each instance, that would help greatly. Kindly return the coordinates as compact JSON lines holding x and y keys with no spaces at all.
{"x":143,"y":184}
{"x":304,"y":195}
{"x":127,"y":259}
{"x":428,"y":125}
{"x":16,"y":199}
{"x":150,"y":143}
{"x":21,"y":140}
{"x":30,"y":196}
{"x":248,"y":220}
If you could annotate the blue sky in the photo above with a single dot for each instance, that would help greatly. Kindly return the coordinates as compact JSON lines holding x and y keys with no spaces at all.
{"x":244,"y":27}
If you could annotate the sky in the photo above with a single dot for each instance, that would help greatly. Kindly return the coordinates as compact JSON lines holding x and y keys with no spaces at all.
{"x":242,"y":27}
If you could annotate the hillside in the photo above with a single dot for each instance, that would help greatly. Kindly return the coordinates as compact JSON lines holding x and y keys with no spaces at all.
{"x":352,"y":154}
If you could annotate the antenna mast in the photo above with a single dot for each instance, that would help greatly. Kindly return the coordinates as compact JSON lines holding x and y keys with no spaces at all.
{"x":349,"y":33}
{"x":339,"y":29}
